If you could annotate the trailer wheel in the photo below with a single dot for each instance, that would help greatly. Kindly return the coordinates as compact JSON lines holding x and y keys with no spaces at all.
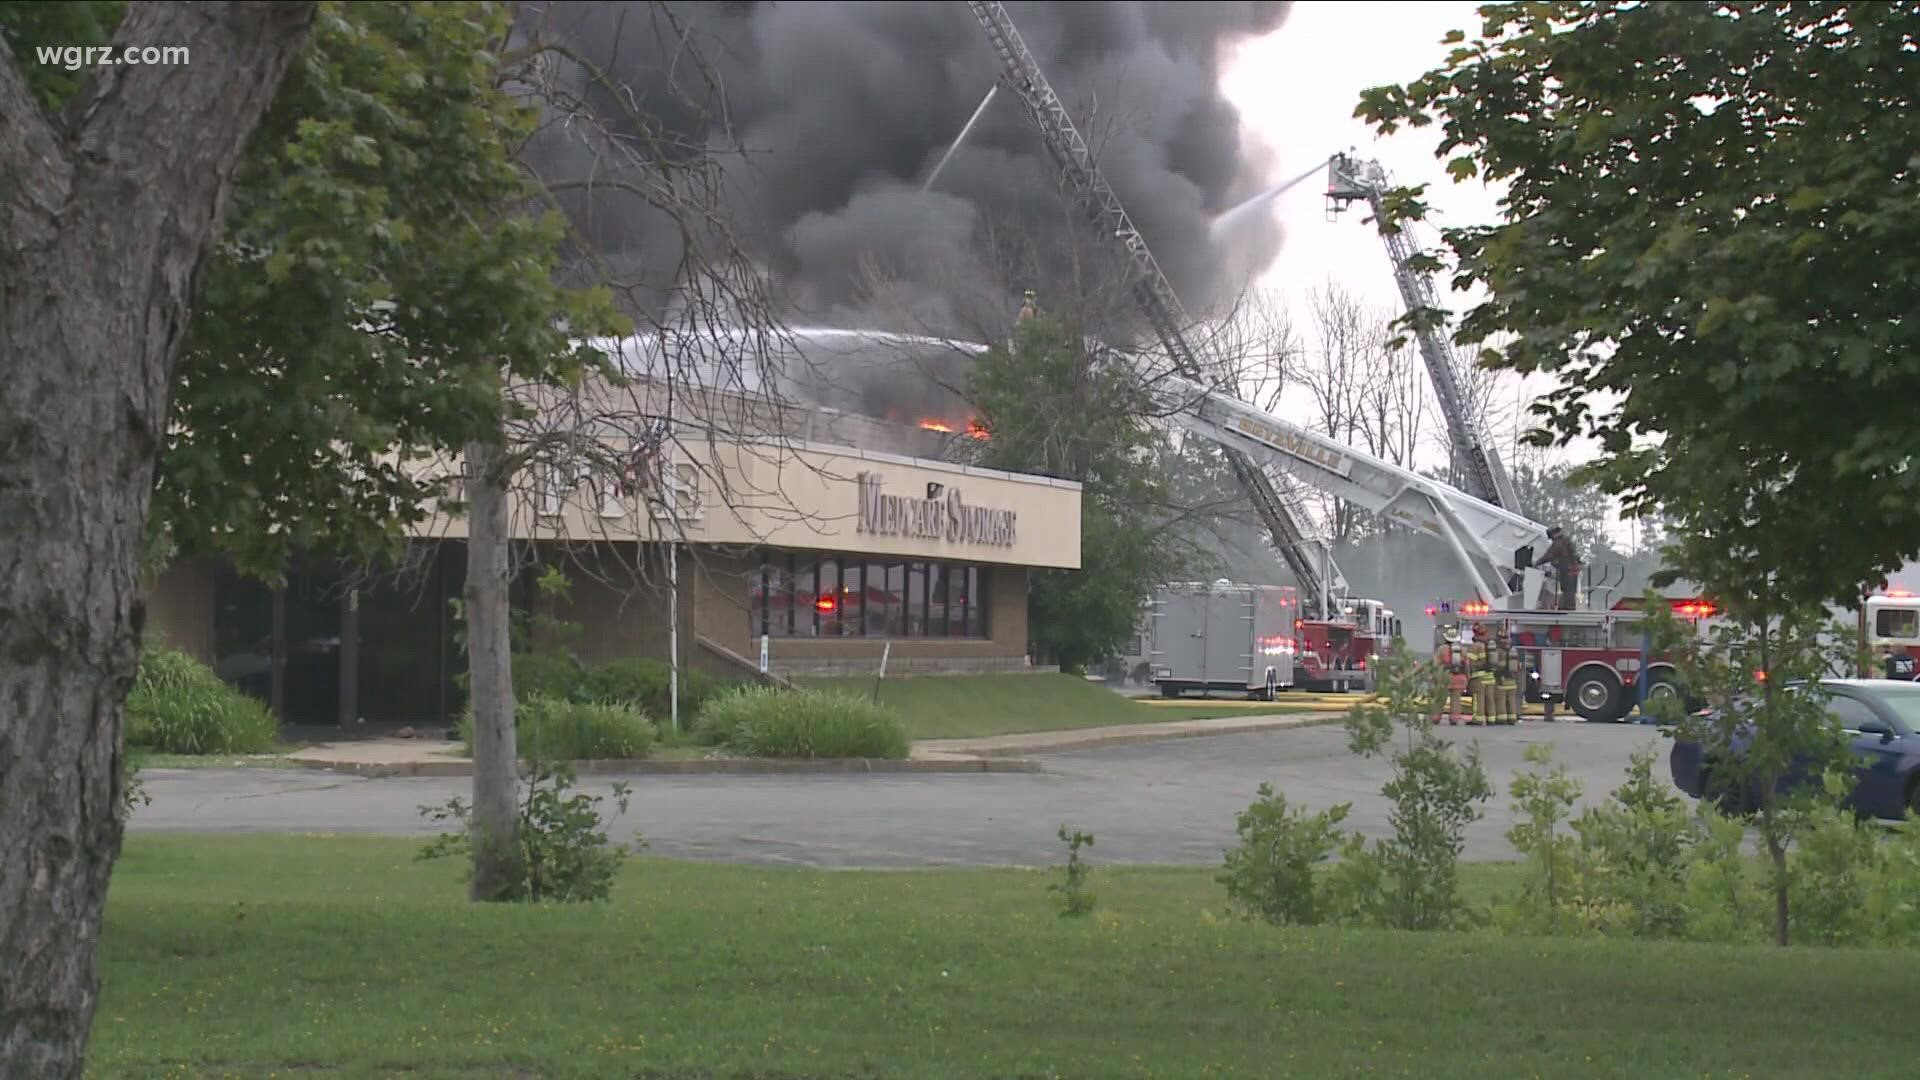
{"x":1596,"y":695}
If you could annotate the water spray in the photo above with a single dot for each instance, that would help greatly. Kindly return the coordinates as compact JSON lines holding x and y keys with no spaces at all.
{"x":962,"y":137}
{"x":1239,"y":211}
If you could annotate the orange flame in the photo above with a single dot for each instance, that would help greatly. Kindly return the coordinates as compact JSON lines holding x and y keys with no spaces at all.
{"x":975,"y":428}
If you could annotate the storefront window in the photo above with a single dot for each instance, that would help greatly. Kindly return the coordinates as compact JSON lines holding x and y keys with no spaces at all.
{"x":916,"y":600}
{"x":833,"y":597}
{"x":803,"y":599}
{"x":826,"y":600}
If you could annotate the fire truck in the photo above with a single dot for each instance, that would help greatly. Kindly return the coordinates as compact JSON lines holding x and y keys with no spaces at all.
{"x":1890,"y":634}
{"x":1596,"y":661}
{"x":1340,"y":653}
{"x":1338,"y":639}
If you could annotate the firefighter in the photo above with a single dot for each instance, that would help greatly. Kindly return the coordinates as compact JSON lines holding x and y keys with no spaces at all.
{"x":1564,"y":561}
{"x":1443,"y":655}
{"x":1481,"y":677}
{"x":1517,"y":683}
{"x":1027,"y":310}
{"x":1897,"y":663}
{"x":1456,"y":678}
{"x":1505,"y":666}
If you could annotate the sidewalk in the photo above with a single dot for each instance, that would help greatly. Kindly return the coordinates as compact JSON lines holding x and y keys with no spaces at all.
{"x":433,"y":757}
{"x":994,"y":753}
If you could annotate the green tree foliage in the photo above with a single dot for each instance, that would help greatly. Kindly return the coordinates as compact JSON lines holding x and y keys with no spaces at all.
{"x":1553,"y":495}
{"x":1706,"y":203}
{"x":27,"y":23}
{"x":382,"y":266}
{"x":1769,"y":723}
{"x":1436,"y":791}
{"x":1050,"y":410}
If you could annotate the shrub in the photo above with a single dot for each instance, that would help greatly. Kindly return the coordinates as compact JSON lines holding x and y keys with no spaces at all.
{"x":1074,"y":899}
{"x":548,"y":675}
{"x":1271,"y":874}
{"x":646,"y":685}
{"x":555,"y":729}
{"x":1838,"y":857}
{"x":1724,"y":901}
{"x":1544,"y":801}
{"x":1436,"y":793}
{"x":179,"y":706}
{"x":563,"y":852}
{"x":760,"y":721}
{"x":1893,"y":887}
{"x":1635,"y":853}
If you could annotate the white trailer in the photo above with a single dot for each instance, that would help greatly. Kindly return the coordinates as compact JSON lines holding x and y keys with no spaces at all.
{"x":1223,"y":636}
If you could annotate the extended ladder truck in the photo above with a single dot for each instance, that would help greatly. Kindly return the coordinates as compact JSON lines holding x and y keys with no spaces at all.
{"x":1334,"y":647}
{"x":1492,"y":542}
{"x":1350,"y":180}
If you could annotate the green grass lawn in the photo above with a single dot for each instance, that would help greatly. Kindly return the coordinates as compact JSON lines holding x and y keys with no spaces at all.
{"x":969,"y":706}
{"x":331,"y":956}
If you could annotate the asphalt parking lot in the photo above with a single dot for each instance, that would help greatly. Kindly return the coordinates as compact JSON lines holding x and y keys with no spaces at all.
{"x":1163,"y":802}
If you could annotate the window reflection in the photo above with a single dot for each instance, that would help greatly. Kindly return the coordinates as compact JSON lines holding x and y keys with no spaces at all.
{"x":796,"y":594}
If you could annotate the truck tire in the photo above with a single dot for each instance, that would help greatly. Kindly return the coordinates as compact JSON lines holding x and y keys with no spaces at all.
{"x":1597,"y":696}
{"x":1661,"y":685}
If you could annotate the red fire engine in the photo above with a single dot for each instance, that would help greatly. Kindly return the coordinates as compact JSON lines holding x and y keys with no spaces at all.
{"x":1339,"y":653}
{"x":1593,"y":660}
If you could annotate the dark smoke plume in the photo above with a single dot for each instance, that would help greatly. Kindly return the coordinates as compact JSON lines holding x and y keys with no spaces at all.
{"x":844,"y":107}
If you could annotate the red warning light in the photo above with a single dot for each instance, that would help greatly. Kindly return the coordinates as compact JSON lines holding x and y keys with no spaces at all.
{"x":826,"y":604}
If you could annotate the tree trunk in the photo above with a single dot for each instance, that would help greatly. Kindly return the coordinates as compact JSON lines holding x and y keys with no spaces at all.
{"x":106,"y":219}
{"x":1778,"y":853}
{"x":496,"y":862}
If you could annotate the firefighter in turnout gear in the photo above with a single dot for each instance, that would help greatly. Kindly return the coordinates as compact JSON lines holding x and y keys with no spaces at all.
{"x":1454,"y":657}
{"x":1443,"y":655}
{"x":1481,"y":677}
{"x":1027,"y":310}
{"x":1506,"y":671}
{"x":1564,"y":561}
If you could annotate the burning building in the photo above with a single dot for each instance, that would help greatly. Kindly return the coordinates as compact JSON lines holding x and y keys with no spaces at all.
{"x":810,"y":539}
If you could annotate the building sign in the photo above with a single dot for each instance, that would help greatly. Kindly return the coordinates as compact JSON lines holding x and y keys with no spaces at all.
{"x":942,"y":515}
{"x":1299,"y":446}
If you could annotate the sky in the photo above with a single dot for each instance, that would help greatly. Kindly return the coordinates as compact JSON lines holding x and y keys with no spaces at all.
{"x":1296,"y":90}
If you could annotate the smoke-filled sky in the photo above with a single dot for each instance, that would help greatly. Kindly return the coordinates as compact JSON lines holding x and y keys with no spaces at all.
{"x":844,"y":107}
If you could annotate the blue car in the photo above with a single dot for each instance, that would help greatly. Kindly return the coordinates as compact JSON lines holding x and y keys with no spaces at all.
{"x":1881,"y":716}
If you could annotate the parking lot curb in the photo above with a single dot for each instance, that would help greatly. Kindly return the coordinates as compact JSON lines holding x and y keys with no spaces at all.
{"x":1006,"y":746}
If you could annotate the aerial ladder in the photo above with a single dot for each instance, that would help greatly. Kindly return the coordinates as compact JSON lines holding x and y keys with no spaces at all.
{"x":1318,"y":578}
{"x":1493,"y":544}
{"x":1350,"y":180}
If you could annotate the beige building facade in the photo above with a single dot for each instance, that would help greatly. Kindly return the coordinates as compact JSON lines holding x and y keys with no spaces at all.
{"x":819,"y":554}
